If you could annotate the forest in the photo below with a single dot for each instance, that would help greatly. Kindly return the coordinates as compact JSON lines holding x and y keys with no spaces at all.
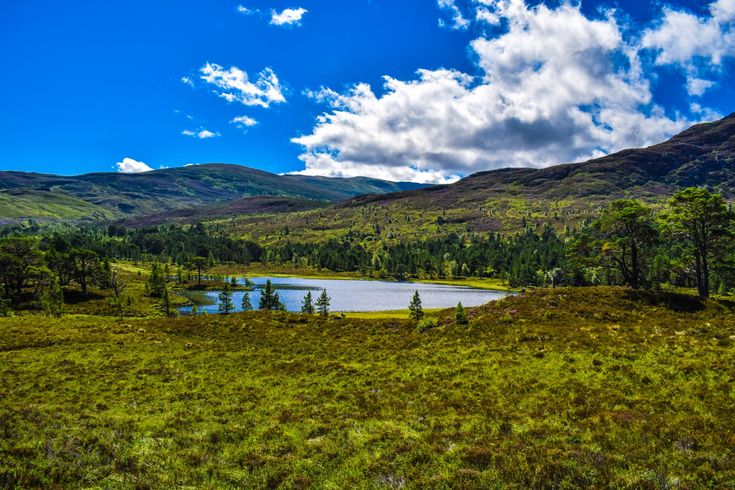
{"x":686,"y":243}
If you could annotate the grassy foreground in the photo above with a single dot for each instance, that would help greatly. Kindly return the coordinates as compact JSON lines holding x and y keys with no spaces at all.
{"x":542,"y":390}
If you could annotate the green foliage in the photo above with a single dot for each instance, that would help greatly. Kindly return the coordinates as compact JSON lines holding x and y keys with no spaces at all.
{"x":226,"y":306}
{"x":426,"y":324}
{"x":322,"y":303}
{"x":703,"y":220}
{"x":416,"y":312}
{"x":52,"y":297}
{"x":200,"y":264}
{"x":627,"y":235}
{"x":307,"y":306}
{"x":460,"y":316}
{"x":246,"y":304}
{"x":155,"y":286}
{"x":269,"y":299}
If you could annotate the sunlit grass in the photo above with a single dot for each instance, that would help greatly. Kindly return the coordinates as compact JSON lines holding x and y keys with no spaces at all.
{"x":542,"y":390}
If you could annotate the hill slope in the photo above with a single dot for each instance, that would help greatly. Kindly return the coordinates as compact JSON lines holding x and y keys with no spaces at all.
{"x":503,"y":200}
{"x":120,"y":195}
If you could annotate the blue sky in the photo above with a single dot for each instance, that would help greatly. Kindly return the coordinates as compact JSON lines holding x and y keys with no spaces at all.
{"x":504,"y":83}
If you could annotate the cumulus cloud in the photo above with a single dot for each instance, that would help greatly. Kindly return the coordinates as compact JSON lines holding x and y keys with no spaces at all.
{"x":202,"y":134}
{"x":130,"y":166}
{"x":458,"y":20}
{"x":234,"y":85}
{"x":288,"y":17}
{"x":695,"y":43}
{"x":555,"y":86}
{"x":244,"y":10}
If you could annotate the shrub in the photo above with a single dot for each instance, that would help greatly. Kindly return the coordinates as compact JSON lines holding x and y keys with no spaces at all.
{"x":426,"y":324}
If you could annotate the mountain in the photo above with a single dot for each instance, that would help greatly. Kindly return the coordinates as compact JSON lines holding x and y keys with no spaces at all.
{"x":116,"y":195}
{"x":507,"y":199}
{"x":703,"y":155}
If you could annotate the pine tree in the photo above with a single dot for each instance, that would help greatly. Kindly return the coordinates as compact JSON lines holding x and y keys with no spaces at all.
{"x":460,"y":316}
{"x":307,"y":306}
{"x":225,"y":299}
{"x":269,"y":299}
{"x":156,"y":282}
{"x":246,"y":304}
{"x":322,"y":303}
{"x":416,"y":312}
{"x":166,"y":300}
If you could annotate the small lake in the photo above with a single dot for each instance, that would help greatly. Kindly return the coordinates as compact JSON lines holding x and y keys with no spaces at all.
{"x":351,"y":295}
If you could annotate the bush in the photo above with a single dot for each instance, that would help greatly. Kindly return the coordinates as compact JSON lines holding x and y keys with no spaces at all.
{"x":426,"y":324}
{"x":5,"y":307}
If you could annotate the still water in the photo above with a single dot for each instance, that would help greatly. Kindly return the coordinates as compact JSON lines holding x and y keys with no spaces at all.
{"x":352,"y":295}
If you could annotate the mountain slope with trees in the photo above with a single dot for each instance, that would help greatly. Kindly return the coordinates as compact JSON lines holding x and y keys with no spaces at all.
{"x":121,"y":195}
{"x":508,"y":200}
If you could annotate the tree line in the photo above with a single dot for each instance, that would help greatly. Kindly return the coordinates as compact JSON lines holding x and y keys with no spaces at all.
{"x":689,"y":242}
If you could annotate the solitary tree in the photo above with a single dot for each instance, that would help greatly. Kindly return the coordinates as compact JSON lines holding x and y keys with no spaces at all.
{"x":628,"y":232}
{"x":269,"y":299}
{"x":166,"y":300}
{"x":225,"y":299}
{"x":704,"y":221}
{"x":460,"y":316}
{"x":416,"y":311}
{"x":322,"y":303}
{"x":246,"y":304}
{"x":307,"y":306}
{"x":200,"y":264}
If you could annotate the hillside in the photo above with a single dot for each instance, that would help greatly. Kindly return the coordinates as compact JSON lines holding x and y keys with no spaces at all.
{"x":502,"y":200}
{"x":105,"y":195}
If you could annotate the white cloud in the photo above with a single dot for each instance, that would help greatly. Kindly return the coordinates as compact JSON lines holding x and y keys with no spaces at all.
{"x":130,"y":166}
{"x":243,"y":122}
{"x":202,"y":134}
{"x":555,"y":87}
{"x":234,"y":85}
{"x":458,"y":21}
{"x":288,"y":16}
{"x":696,"y":44}
{"x":244,"y":10}
{"x":698,"y":86}
{"x":482,"y":14}
{"x":188,"y":81}
{"x":723,"y":11}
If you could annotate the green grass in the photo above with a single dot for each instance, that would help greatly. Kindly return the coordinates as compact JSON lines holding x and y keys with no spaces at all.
{"x":375,"y":315}
{"x":543,"y":390}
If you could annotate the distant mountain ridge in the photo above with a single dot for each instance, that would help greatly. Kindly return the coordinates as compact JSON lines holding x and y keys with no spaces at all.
{"x":508,"y":200}
{"x":93,"y":196}
{"x":703,"y":155}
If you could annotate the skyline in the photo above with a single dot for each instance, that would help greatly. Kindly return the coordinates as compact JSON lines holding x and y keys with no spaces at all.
{"x":423,"y":91}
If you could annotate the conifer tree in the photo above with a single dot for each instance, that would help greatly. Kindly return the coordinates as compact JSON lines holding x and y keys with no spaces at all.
{"x":460,"y":316}
{"x":307,"y":307}
{"x":269,"y":299}
{"x":322,"y":303}
{"x":225,"y":299}
{"x":246,"y":304}
{"x":416,"y":311}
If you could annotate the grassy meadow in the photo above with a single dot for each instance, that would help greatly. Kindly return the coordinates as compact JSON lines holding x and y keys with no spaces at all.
{"x":542,"y":390}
